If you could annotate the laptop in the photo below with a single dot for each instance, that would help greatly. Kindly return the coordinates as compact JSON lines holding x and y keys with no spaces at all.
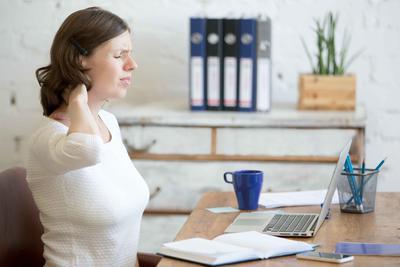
{"x":291,"y":224}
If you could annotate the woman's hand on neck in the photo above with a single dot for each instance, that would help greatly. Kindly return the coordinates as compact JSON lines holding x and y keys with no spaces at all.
{"x":82,"y":116}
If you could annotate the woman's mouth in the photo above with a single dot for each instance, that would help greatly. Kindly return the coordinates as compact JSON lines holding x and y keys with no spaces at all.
{"x":126,"y":81}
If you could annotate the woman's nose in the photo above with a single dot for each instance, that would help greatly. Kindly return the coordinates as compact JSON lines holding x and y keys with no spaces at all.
{"x":130,"y":64}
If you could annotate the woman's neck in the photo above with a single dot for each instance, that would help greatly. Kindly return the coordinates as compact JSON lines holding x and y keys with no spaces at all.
{"x":94,"y":108}
{"x":61,"y":113}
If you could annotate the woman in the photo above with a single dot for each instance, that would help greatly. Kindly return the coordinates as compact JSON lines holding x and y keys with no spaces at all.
{"x":90,"y":196}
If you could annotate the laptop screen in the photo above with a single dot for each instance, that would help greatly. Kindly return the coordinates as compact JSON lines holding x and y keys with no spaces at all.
{"x":333,"y":185}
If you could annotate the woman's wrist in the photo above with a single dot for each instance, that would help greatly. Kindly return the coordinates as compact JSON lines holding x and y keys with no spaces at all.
{"x":78,"y":107}
{"x":82,"y":119}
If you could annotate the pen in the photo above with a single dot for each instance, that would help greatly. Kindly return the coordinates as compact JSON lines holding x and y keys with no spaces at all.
{"x":352,"y":183}
{"x":362,"y":179}
{"x":376,"y":169}
{"x":380,"y":164}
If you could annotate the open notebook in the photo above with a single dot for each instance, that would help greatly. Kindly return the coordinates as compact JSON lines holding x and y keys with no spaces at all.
{"x":232,"y":248}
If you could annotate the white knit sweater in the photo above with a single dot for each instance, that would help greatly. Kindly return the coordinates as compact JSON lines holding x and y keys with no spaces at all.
{"x":90,"y":196}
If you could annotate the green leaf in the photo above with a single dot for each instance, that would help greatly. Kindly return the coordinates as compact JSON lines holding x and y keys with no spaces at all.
{"x":328,"y":59}
{"x":308,"y":54}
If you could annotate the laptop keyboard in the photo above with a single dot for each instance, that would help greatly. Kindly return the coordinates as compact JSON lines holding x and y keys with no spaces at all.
{"x":289,"y":223}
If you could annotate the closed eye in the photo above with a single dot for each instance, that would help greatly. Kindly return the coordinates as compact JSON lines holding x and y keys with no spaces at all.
{"x":123,"y":54}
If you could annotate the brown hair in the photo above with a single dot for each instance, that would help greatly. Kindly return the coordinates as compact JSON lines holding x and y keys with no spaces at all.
{"x":78,"y":36}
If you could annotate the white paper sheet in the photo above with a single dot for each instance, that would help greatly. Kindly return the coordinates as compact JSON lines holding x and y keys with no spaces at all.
{"x":222,"y":209}
{"x":203,"y":246}
{"x":299,"y":198}
{"x":266,"y":245}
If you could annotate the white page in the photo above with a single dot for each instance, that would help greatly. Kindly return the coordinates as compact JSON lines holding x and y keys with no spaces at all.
{"x":204,"y":247}
{"x":245,"y":83}
{"x":300,"y":198}
{"x":196,"y":81}
{"x":266,"y":245}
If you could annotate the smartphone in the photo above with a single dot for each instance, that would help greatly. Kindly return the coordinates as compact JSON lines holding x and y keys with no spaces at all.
{"x":325,"y":256}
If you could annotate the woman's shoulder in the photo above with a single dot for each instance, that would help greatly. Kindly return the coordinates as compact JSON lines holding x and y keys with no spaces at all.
{"x":48,"y":127}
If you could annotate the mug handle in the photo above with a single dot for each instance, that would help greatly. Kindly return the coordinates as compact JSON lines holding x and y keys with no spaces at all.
{"x":226,"y":177}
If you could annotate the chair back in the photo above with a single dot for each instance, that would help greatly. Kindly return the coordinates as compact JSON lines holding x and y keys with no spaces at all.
{"x":20,"y":227}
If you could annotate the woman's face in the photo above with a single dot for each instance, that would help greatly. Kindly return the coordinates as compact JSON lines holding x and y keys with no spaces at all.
{"x":110,"y":68}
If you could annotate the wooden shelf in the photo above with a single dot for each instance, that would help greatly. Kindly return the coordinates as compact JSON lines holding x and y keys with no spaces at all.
{"x":178,"y":157}
{"x":170,"y":144}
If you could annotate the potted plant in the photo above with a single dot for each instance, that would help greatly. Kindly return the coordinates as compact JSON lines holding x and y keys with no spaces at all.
{"x":329,"y":86}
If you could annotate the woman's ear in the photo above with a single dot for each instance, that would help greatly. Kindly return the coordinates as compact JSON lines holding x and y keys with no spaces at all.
{"x":84,"y":62}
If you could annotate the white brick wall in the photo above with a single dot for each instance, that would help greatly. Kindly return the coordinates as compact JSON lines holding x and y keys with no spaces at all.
{"x":160,"y":28}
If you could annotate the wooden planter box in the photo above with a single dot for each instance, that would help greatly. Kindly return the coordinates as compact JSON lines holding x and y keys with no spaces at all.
{"x":327,"y":92}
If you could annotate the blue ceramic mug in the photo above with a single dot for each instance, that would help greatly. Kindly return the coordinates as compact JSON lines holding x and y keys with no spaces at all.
{"x":247,"y":185}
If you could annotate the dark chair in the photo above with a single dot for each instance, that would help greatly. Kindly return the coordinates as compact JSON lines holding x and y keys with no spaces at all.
{"x":20,"y":227}
{"x":148,"y":259}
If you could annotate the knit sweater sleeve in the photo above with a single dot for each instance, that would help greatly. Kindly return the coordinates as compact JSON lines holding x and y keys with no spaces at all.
{"x":61,"y":153}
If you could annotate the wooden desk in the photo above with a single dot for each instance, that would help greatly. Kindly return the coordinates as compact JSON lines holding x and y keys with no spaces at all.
{"x":383,"y":225}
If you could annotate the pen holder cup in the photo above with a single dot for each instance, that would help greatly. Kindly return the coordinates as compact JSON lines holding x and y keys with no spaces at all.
{"x":357,"y":190}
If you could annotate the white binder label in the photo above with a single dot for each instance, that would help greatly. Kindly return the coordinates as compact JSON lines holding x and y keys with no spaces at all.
{"x":263,"y":84}
{"x":246,"y":82}
{"x":230,"y":72}
{"x":196,"y":82}
{"x":213,"y":81}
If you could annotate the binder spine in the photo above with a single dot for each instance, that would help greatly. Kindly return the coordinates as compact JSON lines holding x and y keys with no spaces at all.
{"x":197,"y":63}
{"x":264,"y":86}
{"x":213,"y":64}
{"x":248,"y":66}
{"x":230,"y":66}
